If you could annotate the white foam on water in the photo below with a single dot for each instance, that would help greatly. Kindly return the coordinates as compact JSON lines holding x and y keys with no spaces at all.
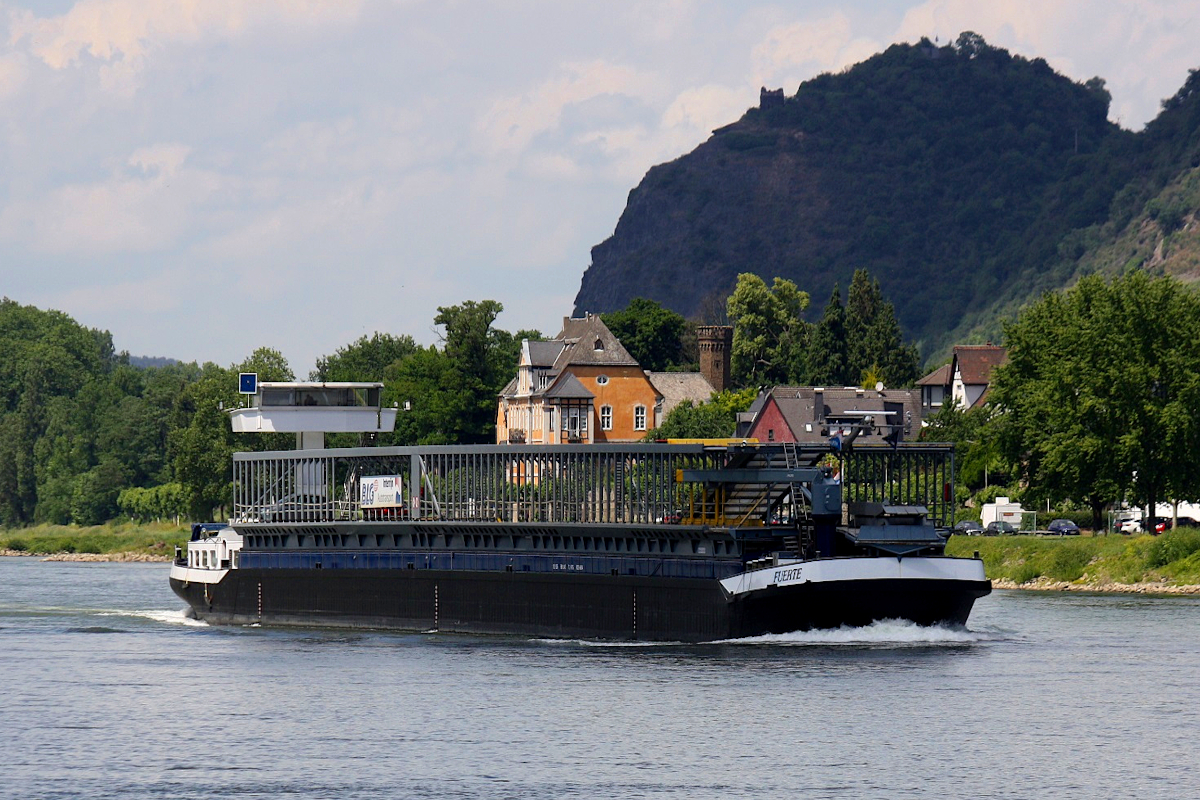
{"x":883,"y":633}
{"x":173,"y":617}
{"x":604,"y":643}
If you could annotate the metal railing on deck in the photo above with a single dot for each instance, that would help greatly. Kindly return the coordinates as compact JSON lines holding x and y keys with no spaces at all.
{"x":911,"y":474}
{"x":614,"y":484}
{"x":582,"y":483}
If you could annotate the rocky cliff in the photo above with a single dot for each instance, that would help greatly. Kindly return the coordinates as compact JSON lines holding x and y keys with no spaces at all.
{"x":964,"y":178}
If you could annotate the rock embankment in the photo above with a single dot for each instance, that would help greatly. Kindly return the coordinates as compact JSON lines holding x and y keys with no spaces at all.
{"x":1047,"y":585}
{"x":127,"y":557}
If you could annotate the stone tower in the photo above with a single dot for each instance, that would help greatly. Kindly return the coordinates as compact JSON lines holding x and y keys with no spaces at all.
{"x":716,"y":344}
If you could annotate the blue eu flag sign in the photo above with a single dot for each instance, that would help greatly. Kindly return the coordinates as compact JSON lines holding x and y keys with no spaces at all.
{"x":248,"y":383}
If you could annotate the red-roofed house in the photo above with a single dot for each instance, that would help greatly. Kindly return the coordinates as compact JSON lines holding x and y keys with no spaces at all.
{"x":965,"y":379}
{"x":810,"y":414}
{"x":972,"y":367}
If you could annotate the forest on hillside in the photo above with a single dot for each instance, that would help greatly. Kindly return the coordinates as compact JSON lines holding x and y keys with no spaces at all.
{"x":967,"y":179}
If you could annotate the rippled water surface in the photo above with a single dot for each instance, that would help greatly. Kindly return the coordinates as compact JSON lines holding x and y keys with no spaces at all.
{"x":110,"y":691}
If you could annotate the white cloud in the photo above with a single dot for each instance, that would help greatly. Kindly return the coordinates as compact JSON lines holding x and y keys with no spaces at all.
{"x":136,"y":210}
{"x":1027,"y":22}
{"x":661,"y":21}
{"x":13,"y":73}
{"x":95,"y":297}
{"x":129,"y":30}
{"x":812,"y":44}
{"x":513,"y":121}
{"x":702,"y":108}
{"x":164,"y":159}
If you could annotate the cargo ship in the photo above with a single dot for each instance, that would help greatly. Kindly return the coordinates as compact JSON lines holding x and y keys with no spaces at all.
{"x":696,"y":541}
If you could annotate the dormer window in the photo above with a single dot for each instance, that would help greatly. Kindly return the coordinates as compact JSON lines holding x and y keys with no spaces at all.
{"x":598,"y":346}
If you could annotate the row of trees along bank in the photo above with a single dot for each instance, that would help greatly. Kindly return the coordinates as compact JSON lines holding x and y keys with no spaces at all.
{"x":87,"y":436}
{"x":1099,"y":400}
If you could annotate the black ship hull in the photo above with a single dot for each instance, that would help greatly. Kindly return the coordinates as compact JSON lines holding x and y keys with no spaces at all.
{"x":566,"y":606}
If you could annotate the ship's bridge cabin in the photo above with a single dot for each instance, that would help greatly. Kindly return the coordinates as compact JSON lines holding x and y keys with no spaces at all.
{"x":310,"y":410}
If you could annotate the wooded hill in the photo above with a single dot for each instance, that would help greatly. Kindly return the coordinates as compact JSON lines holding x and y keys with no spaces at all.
{"x":967,"y":180}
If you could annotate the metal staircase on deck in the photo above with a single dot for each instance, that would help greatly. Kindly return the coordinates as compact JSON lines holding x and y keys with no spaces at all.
{"x":756,"y":505}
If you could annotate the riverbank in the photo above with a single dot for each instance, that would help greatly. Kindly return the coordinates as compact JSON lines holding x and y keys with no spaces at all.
{"x":1047,"y":585}
{"x":119,"y":541}
{"x":1166,"y":564}
{"x":125,"y":557}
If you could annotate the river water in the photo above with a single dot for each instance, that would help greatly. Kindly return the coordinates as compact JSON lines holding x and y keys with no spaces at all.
{"x":109,"y":691}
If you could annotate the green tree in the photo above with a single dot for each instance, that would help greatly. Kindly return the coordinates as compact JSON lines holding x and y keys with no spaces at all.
{"x":653,"y":335}
{"x":978,"y":462}
{"x":469,"y":342}
{"x":448,"y":395}
{"x":828,"y":359}
{"x":874,"y":341}
{"x":202,"y":442}
{"x":95,"y":492}
{"x":45,"y":359}
{"x":769,"y":335}
{"x":1100,"y":392}
{"x":365,"y":359}
{"x":418,"y":382}
{"x":715,"y":419}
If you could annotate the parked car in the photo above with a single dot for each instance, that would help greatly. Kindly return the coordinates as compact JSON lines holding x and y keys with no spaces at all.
{"x":968,"y":527}
{"x":1153,"y":524}
{"x":1063,"y":527}
{"x":999,"y":527}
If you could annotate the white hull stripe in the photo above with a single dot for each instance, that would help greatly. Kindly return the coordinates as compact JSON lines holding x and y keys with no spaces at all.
{"x":855,"y":569}
{"x":785,"y":574}
{"x":194,"y":575}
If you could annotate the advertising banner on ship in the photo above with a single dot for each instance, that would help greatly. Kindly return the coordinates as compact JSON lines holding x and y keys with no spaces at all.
{"x":380,"y":491}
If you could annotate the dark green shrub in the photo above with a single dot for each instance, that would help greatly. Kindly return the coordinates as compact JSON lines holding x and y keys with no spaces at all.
{"x":1172,"y":546}
{"x":1068,"y":561}
{"x":1026,"y":573}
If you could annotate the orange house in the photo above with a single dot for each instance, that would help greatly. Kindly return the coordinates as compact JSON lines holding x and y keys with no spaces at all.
{"x":582,"y":386}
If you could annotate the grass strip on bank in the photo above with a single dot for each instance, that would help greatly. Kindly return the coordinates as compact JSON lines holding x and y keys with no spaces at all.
{"x":156,"y":539}
{"x":1172,"y":559}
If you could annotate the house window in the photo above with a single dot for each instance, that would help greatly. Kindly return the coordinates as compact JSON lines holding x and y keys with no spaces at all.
{"x":601,"y":380}
{"x":598,"y":345}
{"x":606,"y":418}
{"x":639,"y":418}
{"x":574,"y":422}
{"x":770,"y":434}
{"x":543,"y":380}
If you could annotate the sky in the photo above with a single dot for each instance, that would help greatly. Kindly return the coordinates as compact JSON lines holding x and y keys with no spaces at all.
{"x":206,"y":177}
